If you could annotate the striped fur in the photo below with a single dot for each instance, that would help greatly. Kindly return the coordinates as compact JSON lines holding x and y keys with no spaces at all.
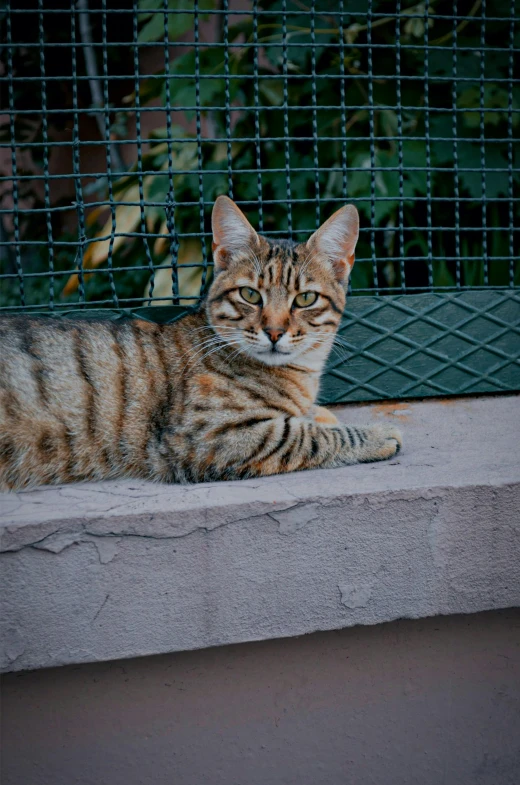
{"x":207,"y":398}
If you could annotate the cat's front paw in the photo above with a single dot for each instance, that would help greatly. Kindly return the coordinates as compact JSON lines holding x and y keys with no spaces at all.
{"x":383,"y":442}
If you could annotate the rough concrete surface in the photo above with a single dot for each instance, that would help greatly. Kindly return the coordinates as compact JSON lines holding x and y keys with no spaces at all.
{"x":127,"y":568}
{"x":424,"y":702}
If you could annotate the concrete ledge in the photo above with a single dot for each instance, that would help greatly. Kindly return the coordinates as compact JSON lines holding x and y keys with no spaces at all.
{"x":102,"y":571}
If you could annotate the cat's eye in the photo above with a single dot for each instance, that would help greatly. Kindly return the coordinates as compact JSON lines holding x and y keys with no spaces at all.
{"x":250,"y":295}
{"x":304,"y":299}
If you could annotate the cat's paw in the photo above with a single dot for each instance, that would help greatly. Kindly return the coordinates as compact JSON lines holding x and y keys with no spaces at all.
{"x":384,"y":441}
{"x":323,"y":416}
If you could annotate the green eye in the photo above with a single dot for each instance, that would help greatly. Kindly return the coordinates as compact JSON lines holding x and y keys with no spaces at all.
{"x":305,"y":299}
{"x":251,"y":295}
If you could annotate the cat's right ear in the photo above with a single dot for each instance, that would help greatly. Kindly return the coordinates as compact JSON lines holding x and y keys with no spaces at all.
{"x":336,"y":240}
{"x":232,"y":232}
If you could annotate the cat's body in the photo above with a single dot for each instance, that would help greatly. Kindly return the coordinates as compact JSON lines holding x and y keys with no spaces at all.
{"x":225,"y":393}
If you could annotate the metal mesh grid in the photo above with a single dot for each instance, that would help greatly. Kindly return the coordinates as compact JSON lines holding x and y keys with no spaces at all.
{"x":122,"y":121}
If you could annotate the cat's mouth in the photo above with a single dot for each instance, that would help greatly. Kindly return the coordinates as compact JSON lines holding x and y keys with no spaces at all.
{"x":274,"y":350}
{"x":273,"y":355}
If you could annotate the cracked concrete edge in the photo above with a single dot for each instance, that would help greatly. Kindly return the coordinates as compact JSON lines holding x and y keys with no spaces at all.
{"x":56,"y":535}
{"x":285,"y":572}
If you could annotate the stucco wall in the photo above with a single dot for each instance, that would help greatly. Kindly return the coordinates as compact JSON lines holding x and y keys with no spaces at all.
{"x":424,"y":702}
{"x":102,"y":571}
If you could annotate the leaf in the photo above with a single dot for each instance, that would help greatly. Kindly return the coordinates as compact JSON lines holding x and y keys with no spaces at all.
{"x":352,"y":32}
{"x":181,"y":23}
{"x":414,"y":155}
{"x":145,"y":5}
{"x":494,"y":98}
{"x":211,"y":82}
{"x":442,"y":148}
{"x":473,"y":272}
{"x":185,"y":156}
{"x":153,"y":30}
{"x":389,"y":122}
{"x":496,"y":183}
{"x":415,"y":26}
{"x":127,"y":220}
{"x":156,"y":187}
{"x":177,"y":24}
{"x":189,"y":278}
{"x":272,"y":91}
{"x":161,"y":243}
{"x":215,"y":183}
{"x":386,"y":185}
{"x":442,"y":275}
{"x":334,"y":183}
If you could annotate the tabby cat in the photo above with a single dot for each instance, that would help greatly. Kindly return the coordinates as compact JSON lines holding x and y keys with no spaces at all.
{"x":225,"y":393}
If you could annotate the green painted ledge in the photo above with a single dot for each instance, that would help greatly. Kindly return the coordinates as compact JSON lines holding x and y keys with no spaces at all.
{"x":412,"y":346}
{"x":404,"y":346}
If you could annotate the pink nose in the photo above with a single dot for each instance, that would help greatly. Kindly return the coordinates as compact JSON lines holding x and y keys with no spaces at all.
{"x":274,"y":333}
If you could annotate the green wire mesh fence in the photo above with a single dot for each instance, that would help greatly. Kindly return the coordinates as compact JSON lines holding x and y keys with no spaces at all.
{"x":122,"y":121}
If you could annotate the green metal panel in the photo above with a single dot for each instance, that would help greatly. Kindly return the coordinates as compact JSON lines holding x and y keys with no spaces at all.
{"x":425,"y":345}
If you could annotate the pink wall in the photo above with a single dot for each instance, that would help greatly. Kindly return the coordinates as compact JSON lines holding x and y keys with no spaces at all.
{"x":407,"y":703}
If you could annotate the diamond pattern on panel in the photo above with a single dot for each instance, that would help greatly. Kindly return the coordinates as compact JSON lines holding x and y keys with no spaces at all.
{"x":426,"y":344}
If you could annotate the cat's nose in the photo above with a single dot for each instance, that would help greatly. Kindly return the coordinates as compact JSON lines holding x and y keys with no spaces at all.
{"x":274,"y":333}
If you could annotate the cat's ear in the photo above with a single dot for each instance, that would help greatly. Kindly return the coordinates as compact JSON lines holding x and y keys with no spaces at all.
{"x":336,"y":241}
{"x":232,"y":232}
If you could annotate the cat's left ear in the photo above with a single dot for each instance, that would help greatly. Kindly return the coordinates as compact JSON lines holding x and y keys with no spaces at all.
{"x":232,"y":232}
{"x":336,"y":241}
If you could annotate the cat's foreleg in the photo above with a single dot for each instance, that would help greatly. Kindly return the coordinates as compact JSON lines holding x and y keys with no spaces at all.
{"x":313,"y":445}
{"x":286,"y":444}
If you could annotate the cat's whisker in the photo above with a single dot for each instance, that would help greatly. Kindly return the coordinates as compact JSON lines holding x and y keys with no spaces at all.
{"x":194,"y":360}
{"x":206,"y":327}
{"x":343,"y":342}
{"x":235,"y":354}
{"x":213,"y":350}
{"x":337,"y":338}
{"x":308,"y":256}
{"x":342,"y":352}
{"x":211,"y":339}
{"x":306,"y":262}
{"x":324,"y":337}
{"x":212,"y":330}
{"x":256,"y":263}
{"x":216,"y":349}
{"x":201,"y":347}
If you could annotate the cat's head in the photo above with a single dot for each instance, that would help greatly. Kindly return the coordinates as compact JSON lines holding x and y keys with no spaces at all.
{"x":276,"y":300}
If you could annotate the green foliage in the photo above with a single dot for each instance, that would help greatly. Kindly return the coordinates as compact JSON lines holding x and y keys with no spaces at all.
{"x":464,"y":123}
{"x":176,"y":23}
{"x":373,"y":176}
